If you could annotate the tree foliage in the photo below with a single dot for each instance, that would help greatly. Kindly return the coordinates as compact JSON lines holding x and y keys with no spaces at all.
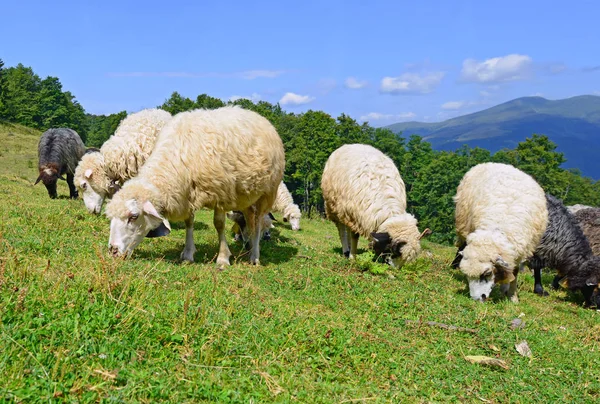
{"x":431,"y":177}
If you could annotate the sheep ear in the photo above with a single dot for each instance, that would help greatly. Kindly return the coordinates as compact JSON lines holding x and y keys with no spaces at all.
{"x":501,"y":263}
{"x":381,"y":242}
{"x":39,"y":178}
{"x":149,"y":209}
{"x":592,"y":281}
{"x":88,"y":173}
{"x":272,"y":217}
{"x":425,"y":233}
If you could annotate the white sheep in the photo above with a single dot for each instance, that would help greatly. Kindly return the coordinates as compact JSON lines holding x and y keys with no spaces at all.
{"x":223,"y":159}
{"x":364,"y":195}
{"x":284,"y":203}
{"x":100,"y":174}
{"x":500,"y":218}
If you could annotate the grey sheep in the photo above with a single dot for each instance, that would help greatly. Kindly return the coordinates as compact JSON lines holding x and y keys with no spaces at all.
{"x":589,"y":221}
{"x":59,"y":152}
{"x":565,"y":248}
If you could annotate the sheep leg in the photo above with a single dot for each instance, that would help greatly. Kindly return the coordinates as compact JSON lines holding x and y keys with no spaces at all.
{"x":353,"y":243}
{"x":224,"y":253}
{"x":188,"y":251}
{"x":510,"y":289}
{"x":253,"y":227}
{"x":345,"y":245}
{"x":72,"y":189}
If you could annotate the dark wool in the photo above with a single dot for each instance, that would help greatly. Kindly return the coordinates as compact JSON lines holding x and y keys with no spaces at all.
{"x":565,"y":248}
{"x":589,"y":221}
{"x":59,"y":152}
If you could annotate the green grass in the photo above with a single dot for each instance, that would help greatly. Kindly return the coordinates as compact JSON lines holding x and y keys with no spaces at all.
{"x":307,"y":326}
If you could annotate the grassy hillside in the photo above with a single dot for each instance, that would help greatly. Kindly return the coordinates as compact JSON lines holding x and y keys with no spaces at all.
{"x":18,"y":151}
{"x":305,"y":327}
{"x":573,"y":124}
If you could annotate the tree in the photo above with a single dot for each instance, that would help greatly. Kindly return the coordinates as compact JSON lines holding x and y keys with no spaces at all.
{"x":22,"y":86}
{"x":176,"y":104}
{"x":208,"y":102}
{"x":3,"y":113}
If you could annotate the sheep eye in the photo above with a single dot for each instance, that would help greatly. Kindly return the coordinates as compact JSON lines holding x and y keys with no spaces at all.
{"x":485,"y":276}
{"x":132,"y":218}
{"x":84,"y":186}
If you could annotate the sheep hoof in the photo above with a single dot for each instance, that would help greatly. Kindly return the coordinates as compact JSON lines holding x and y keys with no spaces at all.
{"x":514,"y":298}
{"x":187,"y":256}
{"x":222,"y":263}
{"x":538,"y":290}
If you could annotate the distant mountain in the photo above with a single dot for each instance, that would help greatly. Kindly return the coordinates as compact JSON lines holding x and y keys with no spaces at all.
{"x":573,"y":124}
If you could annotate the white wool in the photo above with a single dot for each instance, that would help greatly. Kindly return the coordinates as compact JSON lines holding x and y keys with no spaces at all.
{"x":223,"y":159}
{"x":501,"y":212}
{"x":363,"y":190}
{"x":284,"y":203}
{"x":121,"y":156}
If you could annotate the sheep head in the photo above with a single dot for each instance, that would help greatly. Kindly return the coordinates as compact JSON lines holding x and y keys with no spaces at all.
{"x":129,"y":226}
{"x":484,"y":265}
{"x":49,"y":175}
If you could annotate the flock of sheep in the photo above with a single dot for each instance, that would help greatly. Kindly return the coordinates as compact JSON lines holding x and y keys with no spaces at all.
{"x":159,"y":168}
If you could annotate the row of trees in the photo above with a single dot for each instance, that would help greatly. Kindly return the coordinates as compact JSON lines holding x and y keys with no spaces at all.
{"x":431,"y":176}
{"x":27,"y":99}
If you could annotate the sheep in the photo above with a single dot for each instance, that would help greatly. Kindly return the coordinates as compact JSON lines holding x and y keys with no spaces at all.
{"x":284,"y":203}
{"x":565,"y":248}
{"x":240,"y":229}
{"x":223,"y":159}
{"x":59,"y":151}
{"x":100,"y":174}
{"x":500,"y":218}
{"x":589,"y":221}
{"x":365,"y":195}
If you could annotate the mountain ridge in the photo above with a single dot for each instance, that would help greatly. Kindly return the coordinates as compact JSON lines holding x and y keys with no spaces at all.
{"x":506,"y":124}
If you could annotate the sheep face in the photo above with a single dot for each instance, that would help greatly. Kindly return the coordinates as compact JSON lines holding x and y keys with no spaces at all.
{"x":127,"y":232}
{"x":294,"y":222}
{"x":49,"y":177}
{"x":393,"y":250}
{"x":483,"y":272}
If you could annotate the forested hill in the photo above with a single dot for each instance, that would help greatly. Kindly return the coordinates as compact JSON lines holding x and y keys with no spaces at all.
{"x":431,"y":176}
{"x":572,"y":123}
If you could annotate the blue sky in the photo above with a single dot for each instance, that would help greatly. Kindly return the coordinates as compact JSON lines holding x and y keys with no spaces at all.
{"x":381,"y":61}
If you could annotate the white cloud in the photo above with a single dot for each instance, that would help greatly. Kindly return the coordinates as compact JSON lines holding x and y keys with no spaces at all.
{"x":453,"y":105}
{"x":496,"y":70}
{"x":355,"y":84}
{"x":376,"y":116}
{"x":254,"y":97}
{"x":246,"y":75}
{"x":295,"y":99}
{"x":412,"y":83}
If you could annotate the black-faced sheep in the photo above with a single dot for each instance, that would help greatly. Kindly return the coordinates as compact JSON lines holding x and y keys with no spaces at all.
{"x":223,"y":159}
{"x":59,"y":152}
{"x":565,"y":248}
{"x":589,"y":221}
{"x":99,"y":175}
{"x":500,"y":217}
{"x":364,"y":195}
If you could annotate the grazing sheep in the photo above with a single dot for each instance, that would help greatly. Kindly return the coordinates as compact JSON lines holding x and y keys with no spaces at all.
{"x":500,"y":218}
{"x":240,"y":229}
{"x":284,"y":203}
{"x":223,"y":159}
{"x":100,"y":174}
{"x":364,"y":195}
{"x":589,"y":221}
{"x":59,"y":151}
{"x":565,"y":248}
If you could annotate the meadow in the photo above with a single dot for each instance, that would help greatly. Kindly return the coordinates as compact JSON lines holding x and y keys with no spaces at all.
{"x":307,"y":326}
